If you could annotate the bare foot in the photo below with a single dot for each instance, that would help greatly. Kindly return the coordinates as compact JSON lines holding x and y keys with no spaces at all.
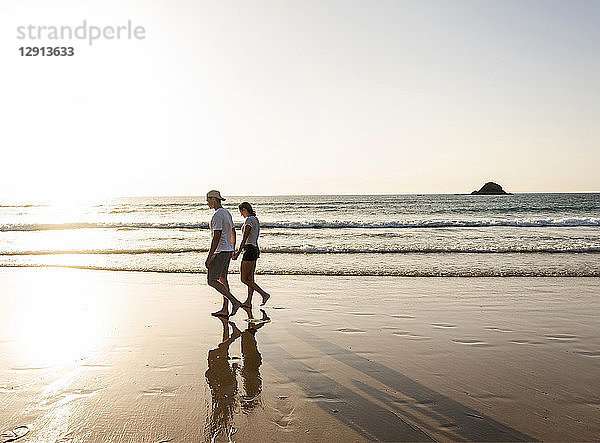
{"x":265,"y":299}
{"x":235,"y":306}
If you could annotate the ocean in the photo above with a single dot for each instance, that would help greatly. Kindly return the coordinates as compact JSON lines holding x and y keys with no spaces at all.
{"x":344,"y":235}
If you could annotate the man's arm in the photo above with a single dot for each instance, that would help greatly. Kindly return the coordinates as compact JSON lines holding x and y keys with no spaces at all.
{"x":213,"y":247}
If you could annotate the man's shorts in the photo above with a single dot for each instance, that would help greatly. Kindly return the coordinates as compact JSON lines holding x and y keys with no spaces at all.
{"x":220,"y":265}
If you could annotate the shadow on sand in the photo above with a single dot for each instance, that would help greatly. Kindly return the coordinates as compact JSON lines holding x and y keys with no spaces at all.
{"x":374,"y":422}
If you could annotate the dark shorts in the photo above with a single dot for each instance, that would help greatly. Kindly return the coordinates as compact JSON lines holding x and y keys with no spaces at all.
{"x":251,"y":253}
{"x":220,"y":265}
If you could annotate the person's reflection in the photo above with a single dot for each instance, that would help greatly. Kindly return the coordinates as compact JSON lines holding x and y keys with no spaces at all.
{"x":252,"y":382}
{"x":222,"y":381}
{"x":222,"y":377}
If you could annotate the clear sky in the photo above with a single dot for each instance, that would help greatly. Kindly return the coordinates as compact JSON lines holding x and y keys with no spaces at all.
{"x":301,"y":97}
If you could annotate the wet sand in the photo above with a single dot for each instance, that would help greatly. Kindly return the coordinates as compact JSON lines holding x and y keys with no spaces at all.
{"x":125,"y":356}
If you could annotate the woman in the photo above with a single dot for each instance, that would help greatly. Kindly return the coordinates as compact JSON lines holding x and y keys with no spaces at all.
{"x":249,"y":244}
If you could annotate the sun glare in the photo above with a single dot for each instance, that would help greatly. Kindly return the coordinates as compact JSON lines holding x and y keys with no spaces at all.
{"x":62,"y":320}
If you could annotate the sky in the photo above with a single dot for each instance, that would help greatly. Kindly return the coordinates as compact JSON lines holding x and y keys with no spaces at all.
{"x":302,"y":97}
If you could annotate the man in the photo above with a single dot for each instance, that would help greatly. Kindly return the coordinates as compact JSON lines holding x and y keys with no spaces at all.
{"x":221,"y":250}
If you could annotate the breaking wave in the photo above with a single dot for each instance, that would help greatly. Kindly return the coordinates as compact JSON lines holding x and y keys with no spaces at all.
{"x":570,"y":222}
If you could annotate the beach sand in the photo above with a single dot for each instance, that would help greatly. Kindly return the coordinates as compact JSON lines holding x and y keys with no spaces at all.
{"x":126,"y":356}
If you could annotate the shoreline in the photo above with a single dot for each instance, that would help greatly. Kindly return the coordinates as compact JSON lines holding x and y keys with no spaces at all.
{"x":235,"y":271}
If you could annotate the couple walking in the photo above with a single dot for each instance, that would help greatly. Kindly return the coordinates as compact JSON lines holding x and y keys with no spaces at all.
{"x":222,"y":250}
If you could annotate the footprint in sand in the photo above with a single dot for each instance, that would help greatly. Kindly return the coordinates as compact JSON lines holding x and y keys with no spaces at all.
{"x":402,"y":316}
{"x":284,"y":414}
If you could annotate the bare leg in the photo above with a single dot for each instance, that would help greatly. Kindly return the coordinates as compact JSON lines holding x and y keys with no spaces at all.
{"x":246,"y":269}
{"x":225,"y":283}
{"x":248,"y":280}
{"x":227,"y":295}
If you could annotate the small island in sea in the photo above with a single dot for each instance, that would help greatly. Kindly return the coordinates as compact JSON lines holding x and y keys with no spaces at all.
{"x":491,"y":188}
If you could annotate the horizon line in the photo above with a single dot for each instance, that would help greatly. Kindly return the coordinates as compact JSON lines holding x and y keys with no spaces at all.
{"x":46,"y":199}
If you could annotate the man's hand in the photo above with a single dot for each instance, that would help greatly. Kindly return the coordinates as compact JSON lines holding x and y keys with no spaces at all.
{"x":208,"y":261}
{"x":235,"y":255}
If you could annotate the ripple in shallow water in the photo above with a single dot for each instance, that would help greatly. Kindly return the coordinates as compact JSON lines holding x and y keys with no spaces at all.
{"x":159,"y":392}
{"x":470,"y":342}
{"x":410,"y":335}
{"x":493,"y":328}
{"x":309,"y":322}
{"x":350,"y":330}
{"x":587,"y":353}
{"x":526,"y":342}
{"x":561,"y":337}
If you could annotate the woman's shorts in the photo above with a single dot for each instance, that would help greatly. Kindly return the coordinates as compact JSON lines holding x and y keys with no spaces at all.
{"x":251,"y":253}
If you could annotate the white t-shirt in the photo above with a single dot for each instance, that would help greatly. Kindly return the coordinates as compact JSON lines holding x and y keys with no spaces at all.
{"x":252,"y":221}
{"x":222,"y":221}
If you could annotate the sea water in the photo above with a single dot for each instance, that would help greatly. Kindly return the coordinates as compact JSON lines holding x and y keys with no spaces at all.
{"x":405,"y":235}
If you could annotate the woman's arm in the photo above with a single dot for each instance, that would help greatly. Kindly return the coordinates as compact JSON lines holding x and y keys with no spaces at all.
{"x":246,"y":234}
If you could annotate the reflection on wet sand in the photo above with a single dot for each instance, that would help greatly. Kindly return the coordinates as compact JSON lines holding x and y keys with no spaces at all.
{"x":251,"y":379}
{"x":222,"y":378}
